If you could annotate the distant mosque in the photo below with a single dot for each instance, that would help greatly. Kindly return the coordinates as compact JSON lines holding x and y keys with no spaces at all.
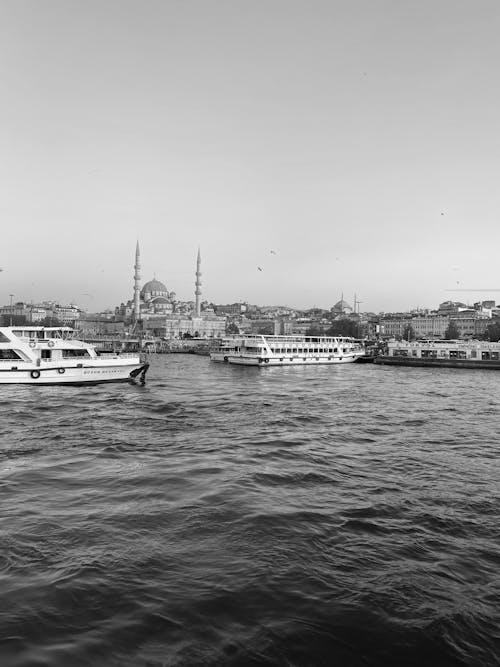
{"x":165,"y":316}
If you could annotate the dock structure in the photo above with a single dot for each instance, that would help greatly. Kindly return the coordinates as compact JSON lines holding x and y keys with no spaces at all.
{"x":106,"y":343}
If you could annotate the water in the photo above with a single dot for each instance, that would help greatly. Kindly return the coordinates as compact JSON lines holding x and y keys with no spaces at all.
{"x":220,"y":515}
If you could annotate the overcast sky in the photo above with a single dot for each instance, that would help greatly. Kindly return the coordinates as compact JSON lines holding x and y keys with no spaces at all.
{"x":357,"y":140}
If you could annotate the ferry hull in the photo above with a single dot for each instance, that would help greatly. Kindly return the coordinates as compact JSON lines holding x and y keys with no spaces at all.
{"x":61,"y":375}
{"x":281,"y":361}
{"x":438,"y":363}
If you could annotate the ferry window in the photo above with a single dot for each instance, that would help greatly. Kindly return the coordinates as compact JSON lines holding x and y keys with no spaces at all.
{"x":485,"y":355}
{"x":9,"y":354}
{"x":17,"y":333}
{"x":75,"y":353}
{"x":315,"y":350}
{"x":442,"y":353}
{"x":46,"y":354}
{"x":414,"y":353}
{"x":3,"y":338}
{"x":494,"y":355}
{"x":453,"y":354}
{"x":462,"y":354}
{"x":473,"y":354}
{"x":335,"y":349}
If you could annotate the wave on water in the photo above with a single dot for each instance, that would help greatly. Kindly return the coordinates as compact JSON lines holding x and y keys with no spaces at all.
{"x":220,"y":516}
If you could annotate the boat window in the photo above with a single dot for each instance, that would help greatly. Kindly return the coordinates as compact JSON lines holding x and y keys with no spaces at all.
{"x":335,"y":349}
{"x":485,"y":355}
{"x":75,"y":353}
{"x":453,"y":354}
{"x":16,"y":332}
{"x":414,"y":353}
{"x":473,"y":354}
{"x":9,"y":354}
{"x":494,"y":355}
{"x":462,"y":354}
{"x":443,"y":353}
{"x":46,"y":354}
{"x":3,"y":338}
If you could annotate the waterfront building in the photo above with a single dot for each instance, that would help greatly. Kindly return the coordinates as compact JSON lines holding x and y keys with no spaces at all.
{"x":393,"y":328}
{"x":171,"y":327}
{"x":429,"y":326}
{"x":451,"y":307}
{"x":231,"y":309}
{"x":30,"y":313}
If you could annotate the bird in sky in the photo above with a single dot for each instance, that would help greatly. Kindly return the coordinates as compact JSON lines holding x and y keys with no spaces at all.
{"x":259,"y":268}
{"x":273,"y":252}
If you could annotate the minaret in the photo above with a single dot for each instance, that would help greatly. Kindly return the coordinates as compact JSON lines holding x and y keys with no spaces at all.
{"x":197,"y":291}
{"x":137,"y":277}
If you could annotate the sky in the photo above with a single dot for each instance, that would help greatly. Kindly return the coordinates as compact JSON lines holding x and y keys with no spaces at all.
{"x":309,"y":148}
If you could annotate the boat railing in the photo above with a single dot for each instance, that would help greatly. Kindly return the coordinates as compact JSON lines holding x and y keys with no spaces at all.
{"x":116,"y":355}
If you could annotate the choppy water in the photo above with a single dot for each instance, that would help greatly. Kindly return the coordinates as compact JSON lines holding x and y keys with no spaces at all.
{"x":343,"y":515}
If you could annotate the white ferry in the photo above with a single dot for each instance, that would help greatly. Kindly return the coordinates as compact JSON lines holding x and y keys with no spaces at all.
{"x":52,"y":355}
{"x":450,"y":353}
{"x":265,"y":351}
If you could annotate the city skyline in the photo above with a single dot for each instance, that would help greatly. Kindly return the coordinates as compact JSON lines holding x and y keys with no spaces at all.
{"x":308,"y":148}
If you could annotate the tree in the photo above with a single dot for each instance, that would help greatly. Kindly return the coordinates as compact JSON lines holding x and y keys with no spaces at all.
{"x":344,"y":327}
{"x":409,"y":332}
{"x":50,"y":322}
{"x":315,"y":330}
{"x":492,"y":332}
{"x":266,"y":329}
{"x":452,"y":332}
{"x":232,"y":328}
{"x":16,"y":320}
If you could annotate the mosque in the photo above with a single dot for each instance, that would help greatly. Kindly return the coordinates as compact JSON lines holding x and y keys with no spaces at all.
{"x":161,"y":314}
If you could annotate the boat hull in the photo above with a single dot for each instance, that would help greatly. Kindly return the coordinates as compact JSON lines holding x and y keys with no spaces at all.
{"x":269,"y":362}
{"x":74,"y":375}
{"x":438,"y":363}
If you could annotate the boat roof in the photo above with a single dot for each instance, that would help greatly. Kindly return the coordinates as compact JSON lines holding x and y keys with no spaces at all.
{"x":31,"y":328}
{"x":285,"y":338}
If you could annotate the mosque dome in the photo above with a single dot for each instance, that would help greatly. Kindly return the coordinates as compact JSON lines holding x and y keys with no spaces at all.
{"x":341,"y":306}
{"x":153,"y":288}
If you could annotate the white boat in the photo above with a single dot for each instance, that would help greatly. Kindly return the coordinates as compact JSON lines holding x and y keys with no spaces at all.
{"x":52,"y":355}
{"x":266,"y":351}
